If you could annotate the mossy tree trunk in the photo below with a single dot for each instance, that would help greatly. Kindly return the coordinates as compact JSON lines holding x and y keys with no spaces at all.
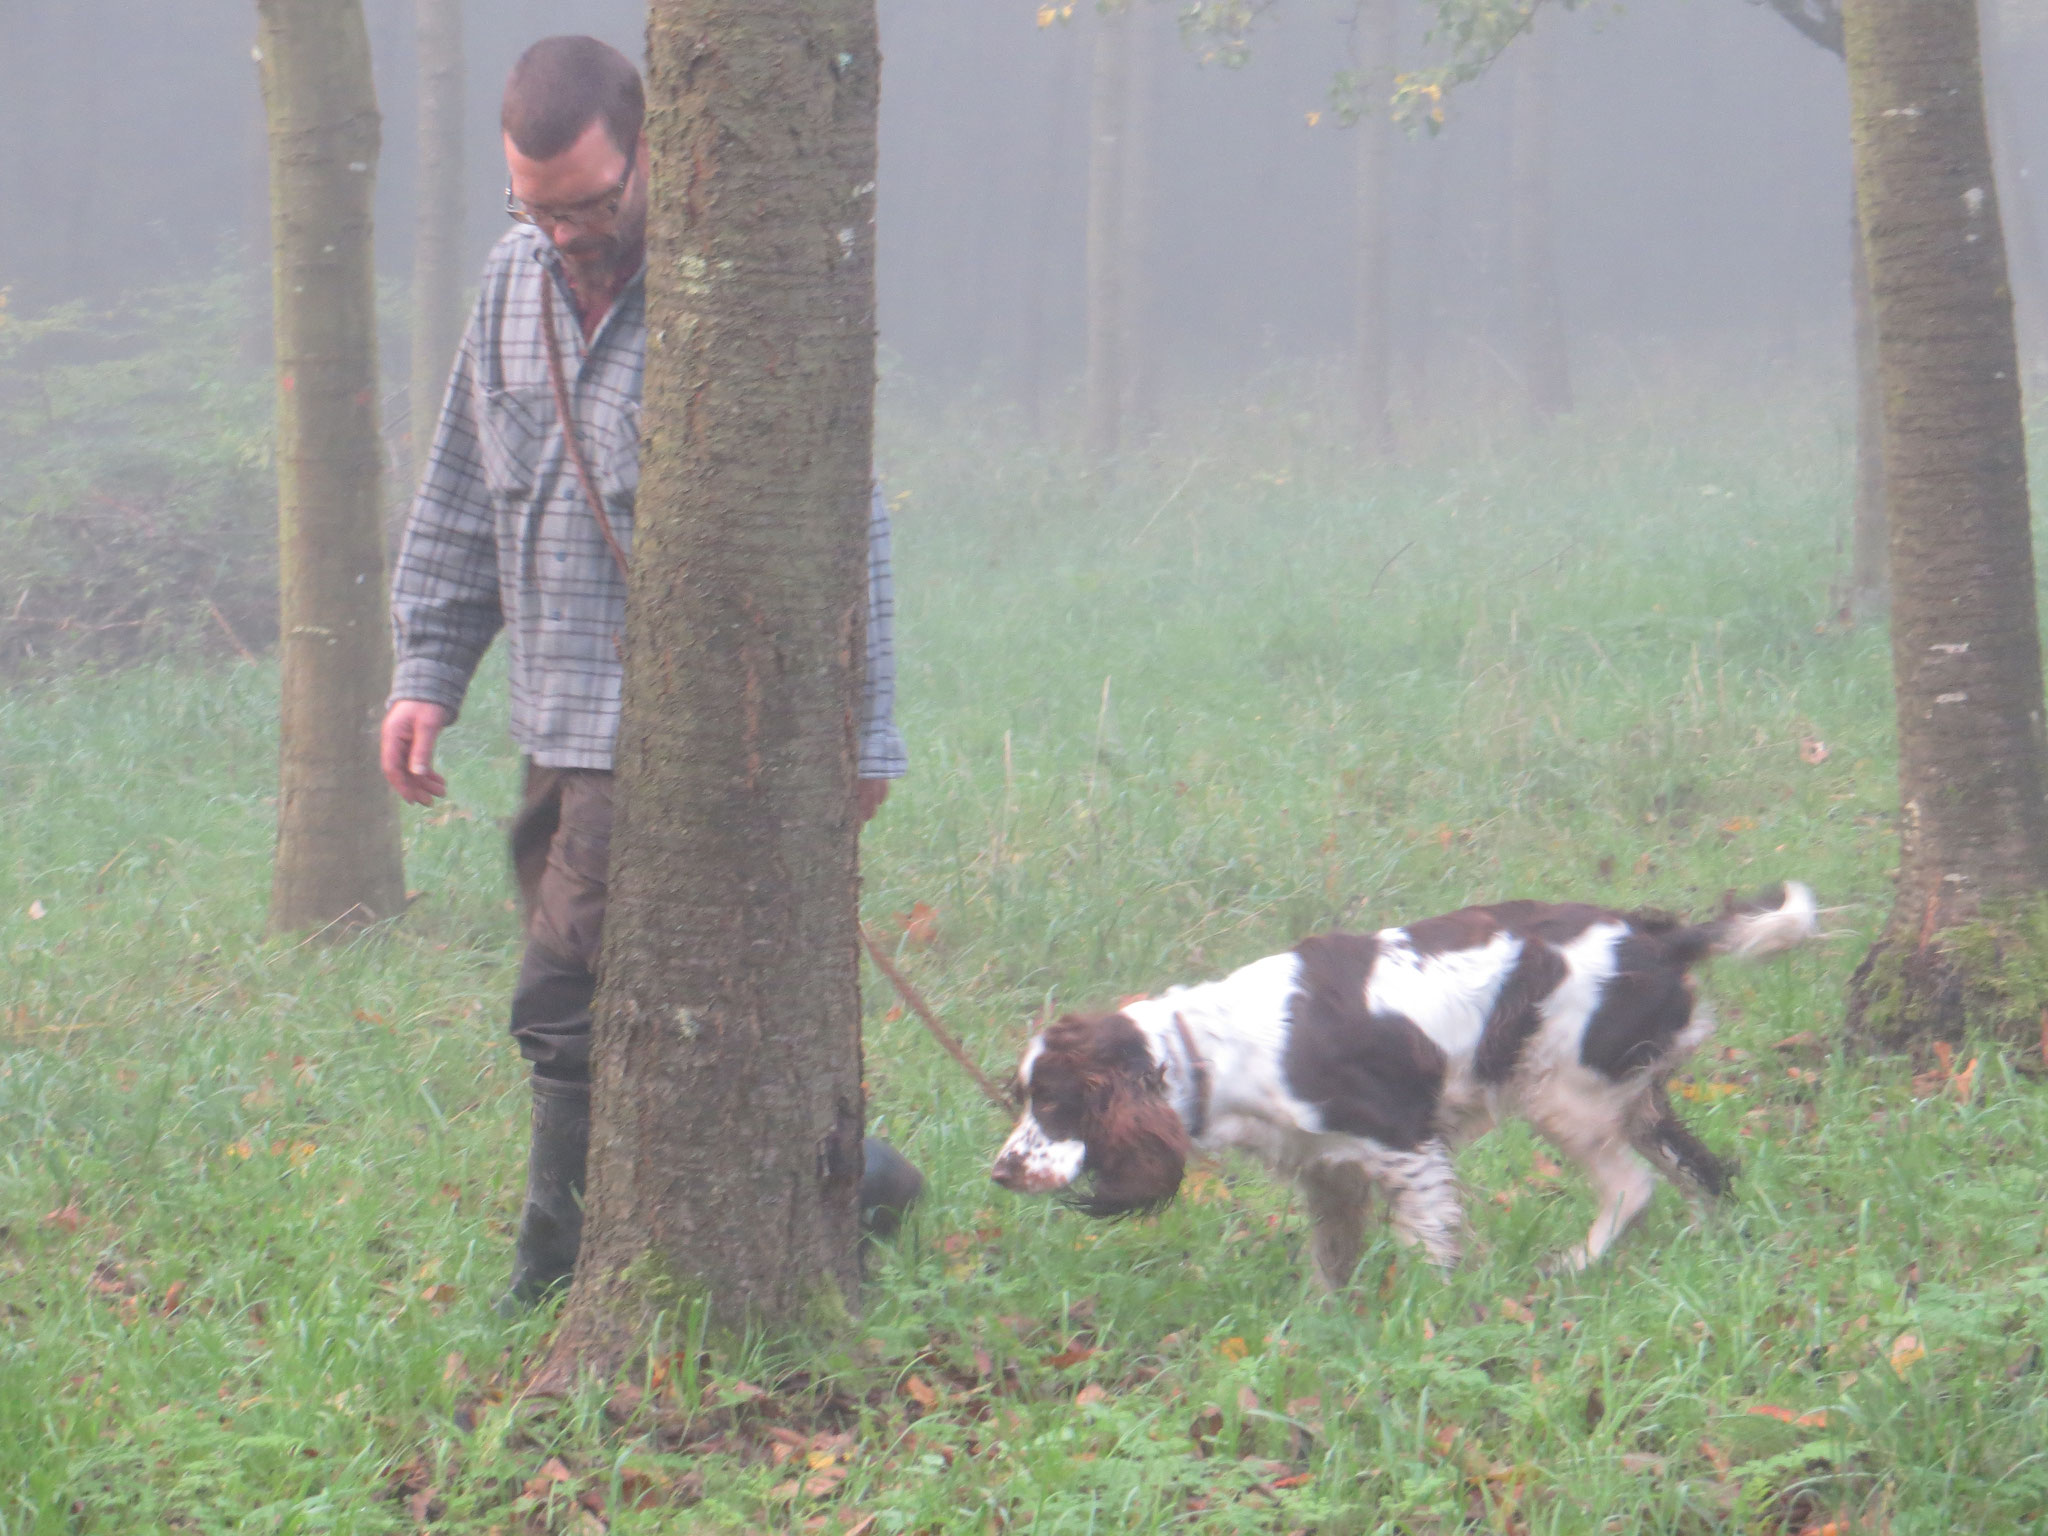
{"x":337,"y":827}
{"x":437,"y":219}
{"x":1373,"y":245}
{"x":728,"y":1106}
{"x":1966,"y":652}
{"x":1538,"y":308}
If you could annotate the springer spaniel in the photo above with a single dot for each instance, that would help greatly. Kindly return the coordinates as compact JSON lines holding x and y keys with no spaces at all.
{"x":1356,"y":1060}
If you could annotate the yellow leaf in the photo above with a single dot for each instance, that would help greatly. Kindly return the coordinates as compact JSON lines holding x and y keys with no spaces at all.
{"x":1907,"y":1351}
{"x":238,"y":1149}
{"x":1233,"y":1348}
{"x":1314,"y":118}
{"x":301,"y":1152}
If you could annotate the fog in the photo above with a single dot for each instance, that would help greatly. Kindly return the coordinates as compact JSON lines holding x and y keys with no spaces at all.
{"x":1700,"y":167}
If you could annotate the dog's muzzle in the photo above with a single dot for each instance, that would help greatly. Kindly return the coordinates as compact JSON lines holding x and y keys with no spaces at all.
{"x":1031,"y":1164}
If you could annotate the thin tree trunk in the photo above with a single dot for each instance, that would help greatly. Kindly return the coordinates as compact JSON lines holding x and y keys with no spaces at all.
{"x":1966,"y":651}
{"x":728,"y":1106}
{"x":337,"y":826}
{"x":1539,"y":313}
{"x":1134,"y":281}
{"x":258,"y":342}
{"x":2028,"y":257}
{"x":1372,"y":273}
{"x":1869,"y":588}
{"x":438,"y":198}
{"x":1052,"y":168}
{"x":1109,"y":98}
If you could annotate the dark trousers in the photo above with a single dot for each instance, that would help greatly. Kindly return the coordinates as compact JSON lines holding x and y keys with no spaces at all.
{"x":561,"y":843}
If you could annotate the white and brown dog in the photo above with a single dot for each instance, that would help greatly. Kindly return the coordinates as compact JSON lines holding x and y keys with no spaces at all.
{"x":1361,"y":1060}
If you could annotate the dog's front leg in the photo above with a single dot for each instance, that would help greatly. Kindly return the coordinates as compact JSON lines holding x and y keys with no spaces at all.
{"x":1338,"y":1195}
{"x":1422,"y":1188}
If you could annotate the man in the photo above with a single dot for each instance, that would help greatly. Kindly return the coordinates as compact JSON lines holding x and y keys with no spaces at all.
{"x":504,"y":533}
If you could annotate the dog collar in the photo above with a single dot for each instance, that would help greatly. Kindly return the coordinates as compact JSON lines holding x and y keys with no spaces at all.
{"x":1198,"y":1069}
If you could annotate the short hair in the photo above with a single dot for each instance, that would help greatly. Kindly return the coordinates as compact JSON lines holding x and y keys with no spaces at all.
{"x":560,"y":86}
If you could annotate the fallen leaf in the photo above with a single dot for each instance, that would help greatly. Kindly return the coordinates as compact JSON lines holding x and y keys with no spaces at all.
{"x":1804,"y":1040}
{"x":921,"y":1392}
{"x":864,"y":1526}
{"x":440,"y":1293}
{"x":1092,"y":1393}
{"x":421,"y":1506}
{"x":1907,"y":1351}
{"x":818,"y":1484}
{"x":920,"y":924}
{"x":1962,"y":1080}
{"x":172,"y":1296}
{"x":1813,"y":751}
{"x":1716,"y":1457}
{"x":1514,"y":1311}
{"x":552,"y":1472}
{"x":1233,"y":1348}
{"x":1642,"y":1462}
{"x":1297,"y":1480}
{"x":1596,"y":1407}
{"x":36,"y":912}
{"x":66,"y":1219}
{"x":1816,"y":1420}
{"x":1074,"y":1354}
{"x":1247,"y":1399}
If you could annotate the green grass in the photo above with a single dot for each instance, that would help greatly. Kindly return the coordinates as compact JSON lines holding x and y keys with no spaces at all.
{"x":1256,"y":691}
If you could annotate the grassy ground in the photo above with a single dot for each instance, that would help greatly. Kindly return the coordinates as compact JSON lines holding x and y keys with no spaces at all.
{"x":255,"y":1198}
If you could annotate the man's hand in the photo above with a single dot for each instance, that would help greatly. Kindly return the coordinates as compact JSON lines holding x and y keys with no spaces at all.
{"x":868,"y":795}
{"x":410,"y":726}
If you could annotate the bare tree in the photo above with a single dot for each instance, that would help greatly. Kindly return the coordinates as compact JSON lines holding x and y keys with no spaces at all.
{"x":437,"y":254}
{"x":1539,"y":312}
{"x":1372,"y":272}
{"x":337,"y":828}
{"x":1966,"y":650}
{"x":727,"y":1139}
{"x":1820,"y":22}
{"x":1108,"y":103}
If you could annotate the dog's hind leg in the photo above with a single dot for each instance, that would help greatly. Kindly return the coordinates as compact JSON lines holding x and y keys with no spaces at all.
{"x":1338,"y":1194}
{"x":1422,"y":1188}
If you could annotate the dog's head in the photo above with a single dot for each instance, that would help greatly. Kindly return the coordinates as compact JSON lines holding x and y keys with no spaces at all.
{"x":1095,"y":1102}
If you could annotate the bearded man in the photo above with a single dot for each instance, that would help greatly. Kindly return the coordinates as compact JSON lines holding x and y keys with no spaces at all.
{"x":521,"y":526}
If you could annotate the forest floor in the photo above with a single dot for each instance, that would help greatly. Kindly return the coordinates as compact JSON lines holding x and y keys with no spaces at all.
{"x":256,"y":1197}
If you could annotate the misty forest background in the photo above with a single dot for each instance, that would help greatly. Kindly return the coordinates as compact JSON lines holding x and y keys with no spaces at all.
{"x":255,"y":1196}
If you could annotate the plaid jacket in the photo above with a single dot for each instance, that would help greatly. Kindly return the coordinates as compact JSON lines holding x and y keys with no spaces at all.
{"x":500,"y":535}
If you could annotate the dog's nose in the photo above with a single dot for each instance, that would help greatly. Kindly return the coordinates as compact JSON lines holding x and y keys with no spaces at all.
{"x":1008,"y":1171}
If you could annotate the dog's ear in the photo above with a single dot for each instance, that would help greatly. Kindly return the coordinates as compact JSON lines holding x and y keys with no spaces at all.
{"x":1137,"y":1146}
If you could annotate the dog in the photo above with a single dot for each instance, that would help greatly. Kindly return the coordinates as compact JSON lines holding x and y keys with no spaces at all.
{"x":1360,"y":1061}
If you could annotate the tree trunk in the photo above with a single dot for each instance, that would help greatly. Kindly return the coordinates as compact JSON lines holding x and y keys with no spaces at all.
{"x":1869,"y":588}
{"x":728,"y":1106}
{"x":1102,"y":429}
{"x":437,"y":222}
{"x":2028,"y":257}
{"x":1966,"y":652}
{"x":337,"y":826}
{"x":1539,"y":314}
{"x":1134,"y":280}
{"x":1374,"y":211}
{"x":1057,"y":144}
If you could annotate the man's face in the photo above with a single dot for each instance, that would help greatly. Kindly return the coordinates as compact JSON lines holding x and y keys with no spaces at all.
{"x":569,"y":197}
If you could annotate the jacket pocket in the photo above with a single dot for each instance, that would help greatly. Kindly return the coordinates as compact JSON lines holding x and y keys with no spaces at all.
{"x":509,"y":430}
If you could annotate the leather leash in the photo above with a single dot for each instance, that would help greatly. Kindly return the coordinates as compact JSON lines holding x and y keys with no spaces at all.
{"x":570,"y":437}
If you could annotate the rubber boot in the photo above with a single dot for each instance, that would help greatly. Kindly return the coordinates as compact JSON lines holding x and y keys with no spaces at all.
{"x":889,"y":1182}
{"x":551,"y":1224}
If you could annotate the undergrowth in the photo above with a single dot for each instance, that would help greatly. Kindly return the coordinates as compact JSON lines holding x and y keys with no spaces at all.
{"x":257,"y":1197}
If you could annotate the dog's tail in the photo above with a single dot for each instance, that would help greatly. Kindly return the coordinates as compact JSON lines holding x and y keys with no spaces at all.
{"x":1681,"y":1156}
{"x":1781,"y":918}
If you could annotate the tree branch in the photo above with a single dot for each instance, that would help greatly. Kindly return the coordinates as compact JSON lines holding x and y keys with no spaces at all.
{"x":1818,"y":21}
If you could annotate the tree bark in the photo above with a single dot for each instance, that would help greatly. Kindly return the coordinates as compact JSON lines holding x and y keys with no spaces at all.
{"x":437,"y":222}
{"x":1109,"y":99}
{"x":1966,"y":652}
{"x":1539,"y":313}
{"x":337,"y":829}
{"x":728,"y":1108}
{"x":1373,"y":269}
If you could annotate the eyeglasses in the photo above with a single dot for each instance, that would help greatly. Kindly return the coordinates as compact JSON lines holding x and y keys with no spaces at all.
{"x":592,"y":210}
